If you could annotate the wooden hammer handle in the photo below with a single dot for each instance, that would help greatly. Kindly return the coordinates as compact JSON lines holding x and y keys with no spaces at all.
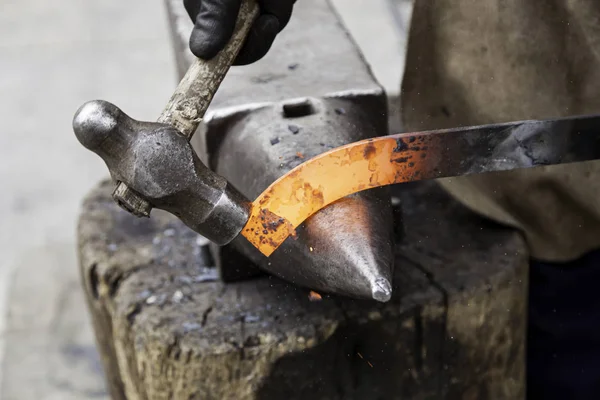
{"x":192,"y":97}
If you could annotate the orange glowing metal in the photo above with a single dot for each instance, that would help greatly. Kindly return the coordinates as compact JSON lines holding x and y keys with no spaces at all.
{"x":330,"y":176}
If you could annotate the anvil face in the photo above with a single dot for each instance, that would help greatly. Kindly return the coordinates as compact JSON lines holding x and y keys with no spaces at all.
{"x":346,"y":248}
{"x":258,"y":128}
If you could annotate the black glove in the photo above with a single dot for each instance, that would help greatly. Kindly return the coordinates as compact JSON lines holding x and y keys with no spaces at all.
{"x":215,"y":21}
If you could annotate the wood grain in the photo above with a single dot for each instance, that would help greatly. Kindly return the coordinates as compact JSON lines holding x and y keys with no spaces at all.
{"x":166,"y":328}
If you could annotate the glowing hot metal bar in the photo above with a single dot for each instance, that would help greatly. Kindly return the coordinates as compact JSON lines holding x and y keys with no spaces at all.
{"x":408,"y":157}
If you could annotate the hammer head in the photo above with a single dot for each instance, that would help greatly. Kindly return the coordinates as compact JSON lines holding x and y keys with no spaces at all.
{"x":159,"y":167}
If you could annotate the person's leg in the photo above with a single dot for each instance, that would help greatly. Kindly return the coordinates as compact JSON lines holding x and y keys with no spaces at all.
{"x":563,"y":350}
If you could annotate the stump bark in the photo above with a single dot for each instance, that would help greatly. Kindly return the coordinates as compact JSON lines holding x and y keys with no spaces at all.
{"x":167,"y":329}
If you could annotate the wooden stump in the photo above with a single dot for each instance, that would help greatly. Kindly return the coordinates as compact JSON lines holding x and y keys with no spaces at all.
{"x":167,"y":329}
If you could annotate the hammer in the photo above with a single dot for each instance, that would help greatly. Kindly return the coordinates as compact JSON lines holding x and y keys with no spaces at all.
{"x":154,"y":165}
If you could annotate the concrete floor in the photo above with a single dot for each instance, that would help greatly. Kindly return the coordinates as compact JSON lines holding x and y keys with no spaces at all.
{"x":53,"y":57}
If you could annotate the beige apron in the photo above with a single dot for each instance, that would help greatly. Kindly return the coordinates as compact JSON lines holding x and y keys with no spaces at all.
{"x":472,"y":62}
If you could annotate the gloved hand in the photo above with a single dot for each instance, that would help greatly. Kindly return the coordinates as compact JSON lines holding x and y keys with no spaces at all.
{"x":215,"y":21}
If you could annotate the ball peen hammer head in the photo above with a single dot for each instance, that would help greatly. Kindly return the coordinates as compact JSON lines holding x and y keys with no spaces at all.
{"x":157,"y":167}
{"x":153,"y":163}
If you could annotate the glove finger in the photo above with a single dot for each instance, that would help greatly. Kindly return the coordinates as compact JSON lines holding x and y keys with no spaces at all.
{"x":281,"y":9}
{"x":192,"y":7}
{"x":214,"y":26}
{"x":259,"y":40}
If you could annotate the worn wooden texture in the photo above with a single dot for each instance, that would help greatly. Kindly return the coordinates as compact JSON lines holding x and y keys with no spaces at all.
{"x":482,"y":269}
{"x":167,"y":330}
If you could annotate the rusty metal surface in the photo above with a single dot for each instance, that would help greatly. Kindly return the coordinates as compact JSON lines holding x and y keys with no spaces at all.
{"x":409,"y":157}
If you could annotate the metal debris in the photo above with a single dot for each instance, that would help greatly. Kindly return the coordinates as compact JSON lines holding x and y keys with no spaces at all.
{"x":191,"y":326}
{"x":156,"y":299}
{"x":178,"y":296}
{"x":251,"y":318}
{"x":314,"y":296}
{"x":206,"y":275}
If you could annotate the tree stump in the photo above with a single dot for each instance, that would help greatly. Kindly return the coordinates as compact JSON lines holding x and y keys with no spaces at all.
{"x":167,"y":329}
